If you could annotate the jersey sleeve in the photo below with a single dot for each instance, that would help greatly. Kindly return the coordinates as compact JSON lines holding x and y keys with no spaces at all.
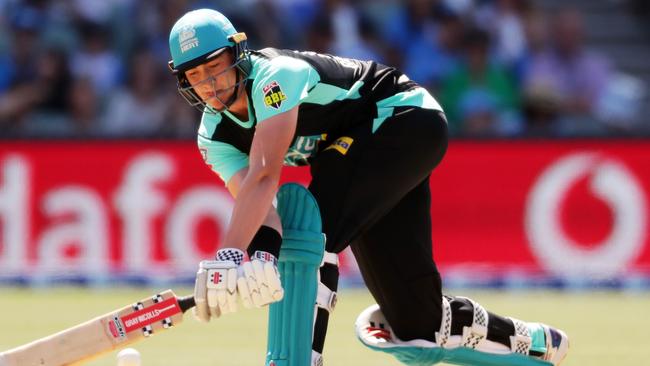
{"x":281,"y":84}
{"x":224,"y":159}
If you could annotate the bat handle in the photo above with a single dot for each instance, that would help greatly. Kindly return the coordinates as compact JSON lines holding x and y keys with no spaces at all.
{"x":186,"y":303}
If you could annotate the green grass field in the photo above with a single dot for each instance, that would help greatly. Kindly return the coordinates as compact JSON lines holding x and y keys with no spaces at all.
{"x":608,"y":328}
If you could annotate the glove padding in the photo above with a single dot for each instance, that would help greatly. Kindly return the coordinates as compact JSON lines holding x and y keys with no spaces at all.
{"x":259,"y":283}
{"x":215,"y":289}
{"x":219,"y":281}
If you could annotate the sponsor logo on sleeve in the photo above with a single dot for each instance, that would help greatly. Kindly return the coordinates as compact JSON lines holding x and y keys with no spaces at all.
{"x":273,"y":95}
{"x":302,"y":149}
{"x":342,"y":144}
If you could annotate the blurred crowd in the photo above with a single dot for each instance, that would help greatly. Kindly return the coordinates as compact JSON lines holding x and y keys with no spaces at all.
{"x":500,"y":68}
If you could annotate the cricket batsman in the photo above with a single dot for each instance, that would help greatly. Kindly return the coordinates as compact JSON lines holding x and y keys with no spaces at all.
{"x":372,"y":137}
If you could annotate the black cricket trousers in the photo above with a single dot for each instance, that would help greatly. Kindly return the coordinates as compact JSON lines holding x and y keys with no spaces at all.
{"x":375,"y":197}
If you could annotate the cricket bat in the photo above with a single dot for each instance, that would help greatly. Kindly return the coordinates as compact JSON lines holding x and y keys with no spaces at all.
{"x":102,"y":334}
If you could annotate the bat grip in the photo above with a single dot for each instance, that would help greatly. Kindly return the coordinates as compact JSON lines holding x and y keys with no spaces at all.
{"x":186,"y":303}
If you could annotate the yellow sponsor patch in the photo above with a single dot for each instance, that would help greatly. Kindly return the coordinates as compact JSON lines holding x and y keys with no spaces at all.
{"x":342,"y":144}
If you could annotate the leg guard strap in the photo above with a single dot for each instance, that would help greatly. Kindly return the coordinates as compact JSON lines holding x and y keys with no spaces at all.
{"x":316,"y":359}
{"x":326,"y":298}
{"x":330,"y":258}
{"x":477,"y":332}
{"x":328,"y":279}
{"x":442,"y":336}
{"x":521,"y":341}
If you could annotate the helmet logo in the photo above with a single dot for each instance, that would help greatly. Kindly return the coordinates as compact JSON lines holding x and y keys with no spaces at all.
{"x":187,"y":39}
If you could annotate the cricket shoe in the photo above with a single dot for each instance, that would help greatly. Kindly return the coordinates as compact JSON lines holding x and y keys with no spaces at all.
{"x":557,"y":345}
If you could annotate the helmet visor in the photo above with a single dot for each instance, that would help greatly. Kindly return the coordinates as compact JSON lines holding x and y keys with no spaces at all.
{"x":216,"y":92}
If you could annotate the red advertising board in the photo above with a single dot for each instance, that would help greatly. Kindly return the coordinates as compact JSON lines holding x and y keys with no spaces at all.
{"x":563,"y":208}
{"x":102,"y":209}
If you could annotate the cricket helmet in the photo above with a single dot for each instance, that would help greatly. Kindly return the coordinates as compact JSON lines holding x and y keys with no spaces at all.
{"x":199,"y":36}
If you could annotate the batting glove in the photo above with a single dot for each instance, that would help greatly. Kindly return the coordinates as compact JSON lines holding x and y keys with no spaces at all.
{"x":258,"y":281}
{"x":215,"y":288}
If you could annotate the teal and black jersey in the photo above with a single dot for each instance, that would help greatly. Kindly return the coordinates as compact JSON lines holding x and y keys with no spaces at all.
{"x":334,"y":94}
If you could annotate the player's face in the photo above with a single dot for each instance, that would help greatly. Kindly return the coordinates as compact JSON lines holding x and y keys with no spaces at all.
{"x":214,"y":80}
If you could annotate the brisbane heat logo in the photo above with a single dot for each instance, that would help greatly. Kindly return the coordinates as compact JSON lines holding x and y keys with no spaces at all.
{"x":187,"y":38}
{"x":586,"y":216}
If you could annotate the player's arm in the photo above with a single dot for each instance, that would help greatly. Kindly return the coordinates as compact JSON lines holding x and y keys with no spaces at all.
{"x":275,"y":95}
{"x":272,"y":219}
{"x":257,"y":282}
{"x":258,"y":187}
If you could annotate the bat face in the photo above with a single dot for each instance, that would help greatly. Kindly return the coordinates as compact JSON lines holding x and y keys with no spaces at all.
{"x":102,"y":334}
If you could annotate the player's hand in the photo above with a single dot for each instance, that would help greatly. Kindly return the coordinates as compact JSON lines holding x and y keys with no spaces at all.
{"x":215,"y":288}
{"x":258,"y":281}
